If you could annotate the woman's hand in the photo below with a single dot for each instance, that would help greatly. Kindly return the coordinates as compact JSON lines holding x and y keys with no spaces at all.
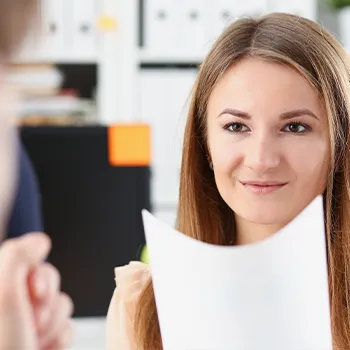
{"x":130,"y":280}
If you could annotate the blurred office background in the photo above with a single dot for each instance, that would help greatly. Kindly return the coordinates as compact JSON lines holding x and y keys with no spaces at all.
{"x":105,"y":92}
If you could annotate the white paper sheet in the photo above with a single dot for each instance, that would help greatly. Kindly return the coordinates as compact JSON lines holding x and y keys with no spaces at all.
{"x":269,"y":295}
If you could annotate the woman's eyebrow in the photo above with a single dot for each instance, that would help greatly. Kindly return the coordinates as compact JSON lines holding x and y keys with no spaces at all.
{"x":283,"y":116}
{"x":236,"y":113}
{"x":298,"y":113}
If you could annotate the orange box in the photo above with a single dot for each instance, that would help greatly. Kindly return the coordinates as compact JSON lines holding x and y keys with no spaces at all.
{"x":129,"y":145}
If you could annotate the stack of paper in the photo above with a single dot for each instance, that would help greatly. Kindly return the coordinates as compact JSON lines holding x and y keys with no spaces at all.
{"x":269,"y":295}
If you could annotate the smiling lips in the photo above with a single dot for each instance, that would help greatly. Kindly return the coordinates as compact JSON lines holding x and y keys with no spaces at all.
{"x":262,"y":187}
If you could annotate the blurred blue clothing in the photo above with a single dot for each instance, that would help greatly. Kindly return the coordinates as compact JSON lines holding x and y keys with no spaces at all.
{"x":26,"y":214}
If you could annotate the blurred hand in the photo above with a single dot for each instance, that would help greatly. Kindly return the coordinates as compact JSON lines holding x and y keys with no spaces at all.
{"x":34,"y":314}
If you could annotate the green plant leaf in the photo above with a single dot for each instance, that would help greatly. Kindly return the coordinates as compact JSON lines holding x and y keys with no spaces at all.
{"x":339,"y":4}
{"x":144,"y":255}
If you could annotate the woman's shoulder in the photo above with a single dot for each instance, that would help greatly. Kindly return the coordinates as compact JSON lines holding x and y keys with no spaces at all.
{"x":130,"y":282}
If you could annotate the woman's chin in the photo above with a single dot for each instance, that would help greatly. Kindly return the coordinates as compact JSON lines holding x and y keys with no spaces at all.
{"x":266,"y":216}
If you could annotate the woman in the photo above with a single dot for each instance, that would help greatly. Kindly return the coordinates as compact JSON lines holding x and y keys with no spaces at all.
{"x":267,"y":131}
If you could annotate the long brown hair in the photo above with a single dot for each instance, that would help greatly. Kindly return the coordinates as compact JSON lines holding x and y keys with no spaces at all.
{"x":311,"y":50}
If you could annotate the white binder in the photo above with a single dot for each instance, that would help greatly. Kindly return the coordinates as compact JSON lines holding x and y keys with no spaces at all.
{"x":191,"y":21}
{"x":160,"y":27}
{"x":221,"y":13}
{"x":84,"y":29}
{"x":248,"y":7}
{"x":304,"y":8}
{"x":53,"y":44}
{"x":164,"y":95}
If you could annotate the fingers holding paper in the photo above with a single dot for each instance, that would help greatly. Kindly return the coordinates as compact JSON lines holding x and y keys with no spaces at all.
{"x":130,"y":280}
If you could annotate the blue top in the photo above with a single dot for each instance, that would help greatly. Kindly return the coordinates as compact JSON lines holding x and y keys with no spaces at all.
{"x":26,"y":214}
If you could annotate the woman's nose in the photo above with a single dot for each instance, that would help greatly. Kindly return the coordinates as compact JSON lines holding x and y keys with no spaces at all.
{"x":262,"y":153}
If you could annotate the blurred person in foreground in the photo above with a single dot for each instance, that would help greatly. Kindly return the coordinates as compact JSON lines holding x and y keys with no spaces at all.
{"x":268,"y":130}
{"x":34,"y":314}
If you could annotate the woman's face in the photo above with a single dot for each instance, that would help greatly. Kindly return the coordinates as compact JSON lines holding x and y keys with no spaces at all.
{"x":268,"y":141}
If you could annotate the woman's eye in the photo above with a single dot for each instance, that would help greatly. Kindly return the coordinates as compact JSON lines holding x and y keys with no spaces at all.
{"x":236,"y":127}
{"x":296,"y":128}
